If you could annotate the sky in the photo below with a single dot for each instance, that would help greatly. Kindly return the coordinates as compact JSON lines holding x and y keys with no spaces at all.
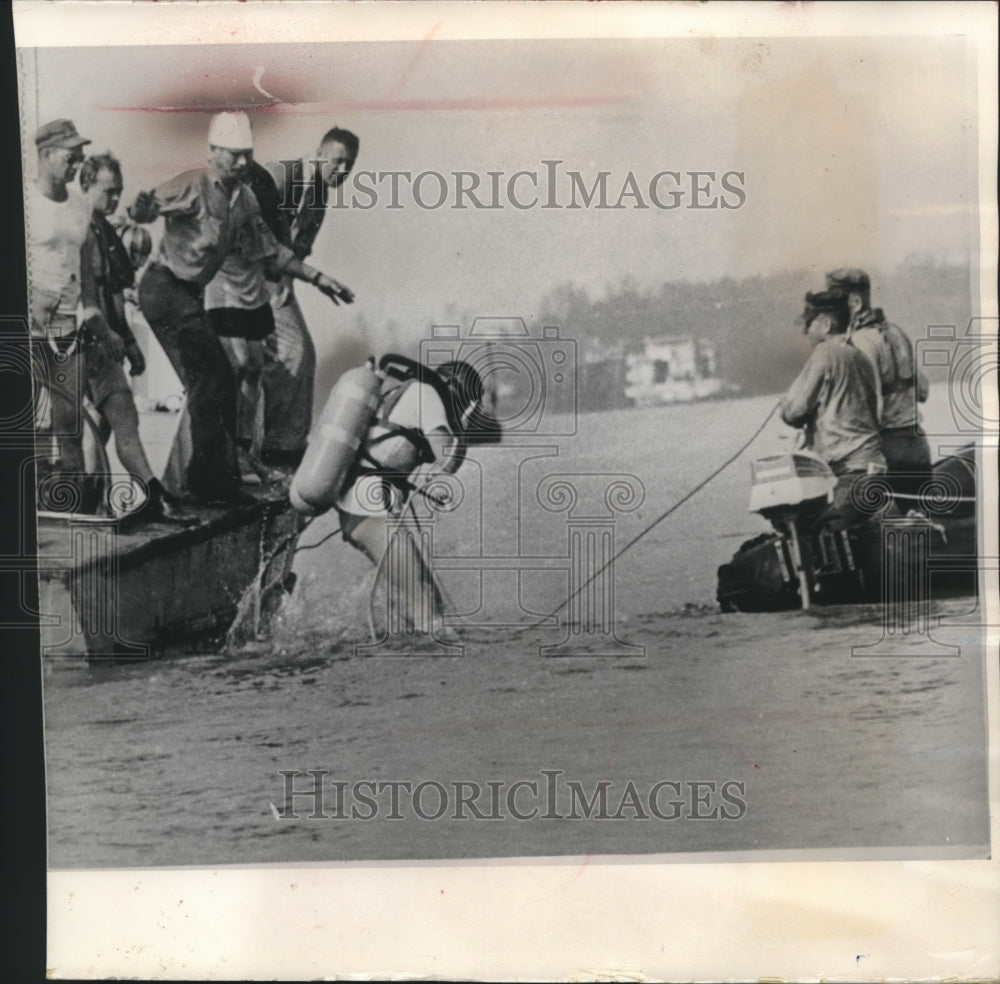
{"x":849,"y":150}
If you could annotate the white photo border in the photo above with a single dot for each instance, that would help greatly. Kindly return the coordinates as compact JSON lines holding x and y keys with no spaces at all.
{"x":546,"y":919}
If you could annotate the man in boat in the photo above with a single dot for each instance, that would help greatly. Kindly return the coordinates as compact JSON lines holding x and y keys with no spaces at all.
{"x":206,"y":211}
{"x":293,"y":197}
{"x":63,"y":309}
{"x":107,"y":264}
{"x":835,"y":401}
{"x":419,"y":427}
{"x":902,"y":384}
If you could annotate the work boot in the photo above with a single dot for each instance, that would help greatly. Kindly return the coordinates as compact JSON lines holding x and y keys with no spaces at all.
{"x":160,"y":507}
{"x":253,"y":471}
{"x":167,"y":506}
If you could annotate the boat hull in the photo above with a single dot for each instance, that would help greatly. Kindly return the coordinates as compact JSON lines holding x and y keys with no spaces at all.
{"x":933,"y":550}
{"x":109,"y":593}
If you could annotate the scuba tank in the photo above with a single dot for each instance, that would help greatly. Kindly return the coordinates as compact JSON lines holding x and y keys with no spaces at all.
{"x":340,"y":431}
{"x":354,"y":435}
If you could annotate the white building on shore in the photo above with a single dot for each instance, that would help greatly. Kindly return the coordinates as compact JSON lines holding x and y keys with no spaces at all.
{"x":673,"y":369}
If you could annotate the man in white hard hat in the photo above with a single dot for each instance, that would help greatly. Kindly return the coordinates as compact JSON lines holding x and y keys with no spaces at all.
{"x":238,"y":303}
{"x":206,"y":213}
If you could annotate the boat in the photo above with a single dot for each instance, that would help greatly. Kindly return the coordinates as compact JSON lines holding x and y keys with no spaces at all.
{"x":674,"y":369}
{"x":916,"y":544}
{"x":111,"y":591}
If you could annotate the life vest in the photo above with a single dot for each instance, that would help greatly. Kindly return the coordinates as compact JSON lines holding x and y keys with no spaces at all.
{"x":902,"y":356}
{"x":115,"y":272}
{"x":899,"y":372}
{"x":354,"y":436}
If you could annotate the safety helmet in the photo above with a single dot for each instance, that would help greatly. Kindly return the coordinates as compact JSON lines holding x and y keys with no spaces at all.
{"x":465,"y":390}
{"x":230,"y":131}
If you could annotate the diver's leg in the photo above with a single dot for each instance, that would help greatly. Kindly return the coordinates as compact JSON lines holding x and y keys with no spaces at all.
{"x":413,"y":598}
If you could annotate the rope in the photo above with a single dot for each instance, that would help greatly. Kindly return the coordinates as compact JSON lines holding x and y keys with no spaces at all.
{"x":628,"y":546}
{"x":923,"y":498}
{"x":659,"y":519}
{"x":318,"y":543}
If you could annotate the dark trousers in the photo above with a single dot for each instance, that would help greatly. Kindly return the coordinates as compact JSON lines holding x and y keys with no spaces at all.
{"x":858,"y":498}
{"x":908,"y":457}
{"x":287,"y":382}
{"x":174,"y":311}
{"x":57,"y":375}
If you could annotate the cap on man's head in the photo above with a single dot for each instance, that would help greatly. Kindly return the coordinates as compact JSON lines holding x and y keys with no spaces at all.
{"x":59,"y":133}
{"x":848,"y":279}
{"x":824,"y":302}
{"x":231,"y":131}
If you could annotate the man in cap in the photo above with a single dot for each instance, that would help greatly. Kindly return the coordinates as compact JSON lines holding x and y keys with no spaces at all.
{"x":293,"y":201}
{"x":62,"y":305}
{"x":835,"y":400}
{"x":901,"y":384}
{"x":206,"y":212}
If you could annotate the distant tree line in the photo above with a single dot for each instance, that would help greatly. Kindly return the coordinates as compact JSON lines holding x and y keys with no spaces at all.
{"x":751,"y":322}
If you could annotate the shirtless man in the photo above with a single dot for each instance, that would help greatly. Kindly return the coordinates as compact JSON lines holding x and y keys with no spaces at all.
{"x":58,"y":220}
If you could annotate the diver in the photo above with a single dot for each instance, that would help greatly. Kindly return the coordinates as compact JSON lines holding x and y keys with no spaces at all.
{"x":384,"y":434}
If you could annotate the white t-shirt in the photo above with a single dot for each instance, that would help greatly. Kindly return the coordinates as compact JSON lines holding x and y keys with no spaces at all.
{"x":55,"y":234}
{"x":419,"y":407}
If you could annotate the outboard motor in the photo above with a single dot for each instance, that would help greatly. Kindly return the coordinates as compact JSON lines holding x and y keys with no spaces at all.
{"x":771,"y":572}
{"x":804,"y":562}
